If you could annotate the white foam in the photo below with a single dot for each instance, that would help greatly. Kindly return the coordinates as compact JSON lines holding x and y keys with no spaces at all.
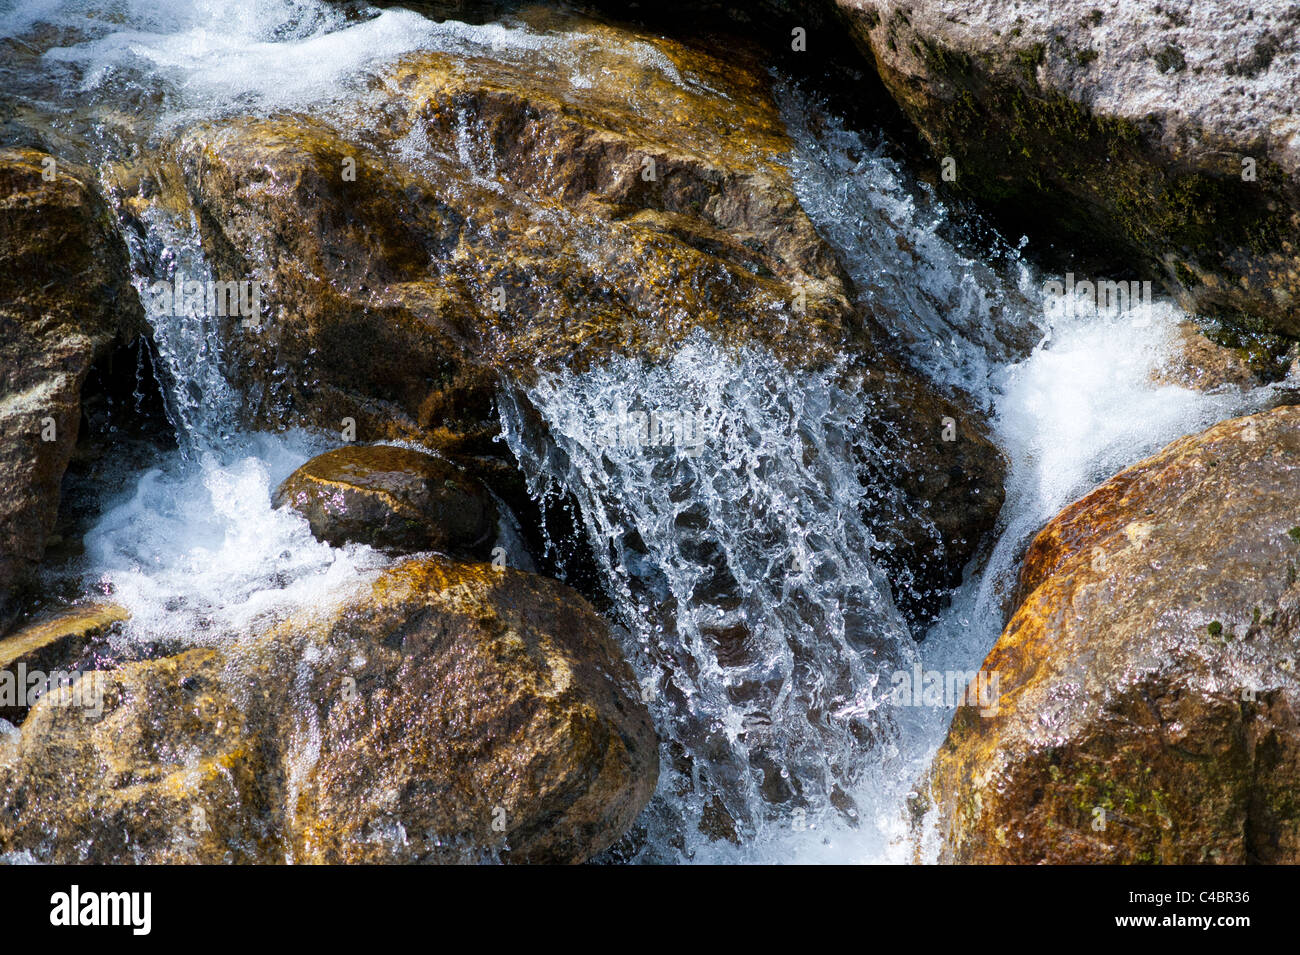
{"x":253,"y":57}
{"x":196,"y":553}
{"x":213,"y":57}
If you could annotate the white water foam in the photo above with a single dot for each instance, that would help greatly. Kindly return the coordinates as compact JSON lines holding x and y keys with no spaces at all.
{"x":209,"y":58}
{"x":197,"y":554}
{"x":1079,"y":407}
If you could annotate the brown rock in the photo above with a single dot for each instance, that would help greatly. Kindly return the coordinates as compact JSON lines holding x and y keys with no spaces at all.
{"x":491,"y":711}
{"x":943,"y":479}
{"x":395,"y":499}
{"x":1149,"y":692}
{"x":452,"y":713}
{"x":65,"y":296}
{"x":167,"y":769}
{"x":1203,"y":365}
{"x":47,"y":647}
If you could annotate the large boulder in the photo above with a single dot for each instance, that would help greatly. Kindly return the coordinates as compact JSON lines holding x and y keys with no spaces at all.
{"x":499,"y":212}
{"x":396,"y":499}
{"x":492,"y":712}
{"x":542,"y":205}
{"x":1164,"y":132}
{"x":65,"y":299}
{"x":449,"y":713}
{"x":1149,"y":706}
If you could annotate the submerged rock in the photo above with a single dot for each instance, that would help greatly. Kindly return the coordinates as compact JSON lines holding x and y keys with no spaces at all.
{"x":395,"y":499}
{"x":1164,"y":133}
{"x":65,"y":298}
{"x":936,"y":494}
{"x":451,"y":713}
{"x":1149,"y":704}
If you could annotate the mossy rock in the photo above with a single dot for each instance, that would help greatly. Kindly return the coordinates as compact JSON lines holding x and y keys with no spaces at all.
{"x":1165,"y":138}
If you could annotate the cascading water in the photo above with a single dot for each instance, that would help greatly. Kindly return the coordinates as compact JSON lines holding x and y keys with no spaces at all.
{"x":960,"y":315}
{"x":718,"y":489}
{"x":720,"y":496}
{"x":751,"y":530}
{"x":193,"y":548}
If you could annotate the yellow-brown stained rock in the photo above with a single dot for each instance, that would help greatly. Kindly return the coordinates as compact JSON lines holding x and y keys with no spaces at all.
{"x":492,"y":711}
{"x":1198,"y":363}
{"x":1149,"y":694}
{"x":392,"y":498}
{"x":170,"y":770}
{"x":47,"y":646}
{"x":449,"y":713}
{"x":33,"y":640}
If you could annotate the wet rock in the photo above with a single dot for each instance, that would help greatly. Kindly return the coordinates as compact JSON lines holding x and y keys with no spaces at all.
{"x":1149,"y":697}
{"x":65,"y":298}
{"x":1164,"y":133}
{"x":936,"y":493}
{"x":532,"y":207}
{"x":451,"y":713}
{"x":1199,"y":363}
{"x":491,"y":711}
{"x":633,"y":205}
{"x":395,"y":499}
{"x":152,"y":762}
{"x":46,"y":648}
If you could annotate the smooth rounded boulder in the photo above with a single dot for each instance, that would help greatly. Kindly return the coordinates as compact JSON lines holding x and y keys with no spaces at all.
{"x":395,"y":499}
{"x":461,"y":712}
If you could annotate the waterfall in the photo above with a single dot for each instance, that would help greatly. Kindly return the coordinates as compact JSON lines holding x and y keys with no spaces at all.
{"x":719,"y":489}
{"x":201,"y":405}
{"x":720,"y":495}
{"x":738,"y":560}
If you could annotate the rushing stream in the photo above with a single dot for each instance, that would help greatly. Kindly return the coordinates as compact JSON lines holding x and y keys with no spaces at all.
{"x":744,"y":520}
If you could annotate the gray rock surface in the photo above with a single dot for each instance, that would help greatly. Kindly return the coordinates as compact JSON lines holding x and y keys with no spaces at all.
{"x":1137,"y":122}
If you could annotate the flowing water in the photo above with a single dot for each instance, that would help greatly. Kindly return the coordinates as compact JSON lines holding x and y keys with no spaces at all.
{"x":733,"y":548}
